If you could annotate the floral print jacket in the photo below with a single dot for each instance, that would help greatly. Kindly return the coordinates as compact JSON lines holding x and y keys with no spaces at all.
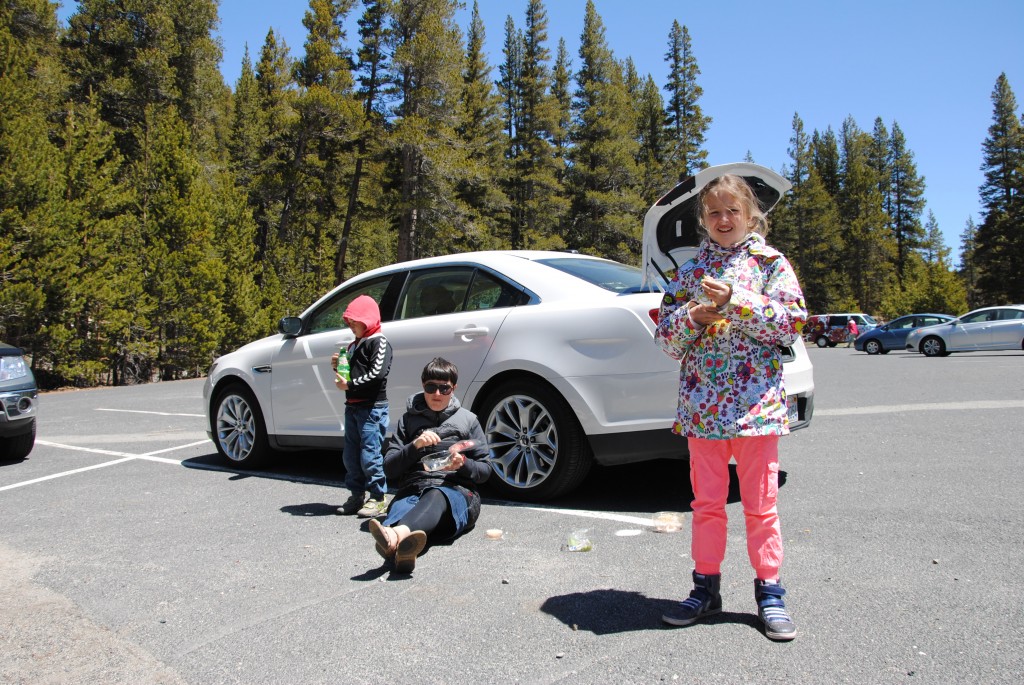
{"x":731,"y":371}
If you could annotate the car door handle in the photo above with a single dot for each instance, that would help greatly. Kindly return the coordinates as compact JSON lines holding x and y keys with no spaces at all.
{"x":472,"y":331}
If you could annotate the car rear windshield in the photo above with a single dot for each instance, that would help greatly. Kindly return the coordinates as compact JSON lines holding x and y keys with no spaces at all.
{"x":613,"y":276}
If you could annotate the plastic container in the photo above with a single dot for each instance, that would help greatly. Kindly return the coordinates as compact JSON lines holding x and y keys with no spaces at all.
{"x":667,"y":522}
{"x":344,"y":371}
{"x":436,"y":461}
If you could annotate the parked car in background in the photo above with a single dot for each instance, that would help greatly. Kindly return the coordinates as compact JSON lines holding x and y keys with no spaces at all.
{"x":988,"y":328}
{"x":893,"y":335}
{"x":18,"y":404}
{"x":828,"y":330}
{"x":555,"y":352}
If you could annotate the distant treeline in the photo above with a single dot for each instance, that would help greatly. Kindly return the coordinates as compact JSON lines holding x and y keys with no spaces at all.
{"x":152,"y":217}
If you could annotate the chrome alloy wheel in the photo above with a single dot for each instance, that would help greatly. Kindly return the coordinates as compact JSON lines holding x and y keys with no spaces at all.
{"x":523,"y":438}
{"x":236,"y":427}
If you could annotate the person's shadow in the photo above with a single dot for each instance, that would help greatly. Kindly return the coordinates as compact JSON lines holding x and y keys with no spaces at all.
{"x":603,"y":612}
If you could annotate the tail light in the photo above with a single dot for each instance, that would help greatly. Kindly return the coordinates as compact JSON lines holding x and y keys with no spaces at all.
{"x":654,"y":315}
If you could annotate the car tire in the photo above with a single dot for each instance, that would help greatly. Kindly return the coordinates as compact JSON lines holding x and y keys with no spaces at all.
{"x":933,"y":347}
{"x":238,"y":427}
{"x":873,"y":347}
{"x":821,"y":342}
{"x":18,"y":447}
{"x":538,"y":449}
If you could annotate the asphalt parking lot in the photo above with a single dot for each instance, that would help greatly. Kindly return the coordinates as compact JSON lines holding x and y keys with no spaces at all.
{"x":129,"y":554}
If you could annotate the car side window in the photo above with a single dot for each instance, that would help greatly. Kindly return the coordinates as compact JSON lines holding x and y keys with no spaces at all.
{"x":488,"y":292}
{"x":1010,"y":314}
{"x":329,"y":317}
{"x":902,"y":323}
{"x":433,"y":292}
{"x":977,"y":317}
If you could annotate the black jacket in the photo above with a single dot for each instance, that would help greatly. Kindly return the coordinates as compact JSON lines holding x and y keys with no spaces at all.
{"x":369,"y":363}
{"x":402,"y":459}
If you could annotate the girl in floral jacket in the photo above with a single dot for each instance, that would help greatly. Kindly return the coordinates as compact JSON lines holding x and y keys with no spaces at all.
{"x":724,"y":316}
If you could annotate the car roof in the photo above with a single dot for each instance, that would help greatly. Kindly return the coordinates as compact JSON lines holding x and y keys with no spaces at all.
{"x":517,"y":265}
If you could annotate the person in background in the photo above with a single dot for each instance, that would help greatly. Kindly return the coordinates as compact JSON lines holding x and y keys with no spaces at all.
{"x":366,"y":410}
{"x":851,"y":331}
{"x":732,"y":402}
{"x":432,"y":505}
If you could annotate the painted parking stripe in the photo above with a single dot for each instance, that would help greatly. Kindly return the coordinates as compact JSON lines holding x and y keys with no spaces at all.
{"x":149,"y":456}
{"x":931,"y":406}
{"x":157,"y":413}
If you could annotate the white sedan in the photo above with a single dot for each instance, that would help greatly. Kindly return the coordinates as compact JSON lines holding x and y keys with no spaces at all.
{"x":989,"y":328}
{"x":555,"y":352}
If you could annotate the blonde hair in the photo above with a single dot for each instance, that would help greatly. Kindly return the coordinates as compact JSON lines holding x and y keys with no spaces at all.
{"x":734,"y":185}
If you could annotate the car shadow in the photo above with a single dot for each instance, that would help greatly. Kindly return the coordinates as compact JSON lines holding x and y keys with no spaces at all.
{"x":658,"y":485}
{"x":608,"y":611}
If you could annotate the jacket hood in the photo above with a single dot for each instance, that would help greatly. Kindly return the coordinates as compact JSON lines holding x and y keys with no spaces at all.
{"x":364,"y":309}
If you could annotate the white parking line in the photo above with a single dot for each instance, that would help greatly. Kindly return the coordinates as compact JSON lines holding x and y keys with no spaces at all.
{"x":139,"y":411}
{"x":931,"y":406}
{"x":149,"y":456}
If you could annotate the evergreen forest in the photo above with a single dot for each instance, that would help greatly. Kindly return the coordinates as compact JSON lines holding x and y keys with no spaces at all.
{"x":153,"y":216}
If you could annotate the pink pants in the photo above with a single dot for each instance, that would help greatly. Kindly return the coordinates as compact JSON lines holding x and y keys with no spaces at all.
{"x":757,"y":465}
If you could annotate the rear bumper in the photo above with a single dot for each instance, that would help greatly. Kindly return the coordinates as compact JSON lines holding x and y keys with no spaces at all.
{"x":611,"y":449}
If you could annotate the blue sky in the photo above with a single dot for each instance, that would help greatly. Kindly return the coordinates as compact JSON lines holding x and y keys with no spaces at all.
{"x":928,"y":65}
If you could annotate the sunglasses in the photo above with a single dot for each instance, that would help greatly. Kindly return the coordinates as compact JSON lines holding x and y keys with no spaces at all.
{"x":443,"y":388}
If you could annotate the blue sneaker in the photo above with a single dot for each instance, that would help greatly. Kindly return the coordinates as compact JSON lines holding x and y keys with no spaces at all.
{"x":705,"y":599}
{"x":772,"y":611}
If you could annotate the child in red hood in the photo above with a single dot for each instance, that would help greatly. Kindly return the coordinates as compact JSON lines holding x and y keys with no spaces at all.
{"x":366,"y":409}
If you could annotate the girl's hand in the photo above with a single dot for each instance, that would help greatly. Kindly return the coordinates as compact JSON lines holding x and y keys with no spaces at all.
{"x":718,"y":291}
{"x":426,"y":439}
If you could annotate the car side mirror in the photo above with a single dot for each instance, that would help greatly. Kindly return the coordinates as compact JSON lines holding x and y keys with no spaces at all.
{"x":290,"y":326}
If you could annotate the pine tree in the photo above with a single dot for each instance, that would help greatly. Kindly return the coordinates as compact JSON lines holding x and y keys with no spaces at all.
{"x":369,"y":153}
{"x":930,"y":283}
{"x":656,"y":175}
{"x":686,"y":121}
{"x":870,"y":249}
{"x":98,"y":288}
{"x":183,"y":285}
{"x":825,"y":157}
{"x":30,"y":193}
{"x":906,"y":193}
{"x":536,"y":169}
{"x":968,"y":271}
{"x":426,"y":72}
{"x":999,"y":243}
{"x":480,"y":133}
{"x":607,"y":213}
{"x":805,"y":227}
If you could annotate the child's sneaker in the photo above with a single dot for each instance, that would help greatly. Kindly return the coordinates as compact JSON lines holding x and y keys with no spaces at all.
{"x":772,"y":611}
{"x":353,"y":504}
{"x":705,"y":599}
{"x":374,"y":507}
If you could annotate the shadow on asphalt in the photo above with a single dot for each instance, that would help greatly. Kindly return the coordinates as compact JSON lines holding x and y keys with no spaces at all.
{"x":603,"y":612}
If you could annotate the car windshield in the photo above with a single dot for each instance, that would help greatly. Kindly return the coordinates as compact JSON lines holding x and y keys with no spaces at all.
{"x":613,"y":276}
{"x":870,"y":319}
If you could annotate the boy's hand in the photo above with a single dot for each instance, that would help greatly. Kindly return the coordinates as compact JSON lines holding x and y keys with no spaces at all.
{"x":334,"y":361}
{"x":457,"y":461}
{"x":340,"y":382}
{"x":426,"y":439}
